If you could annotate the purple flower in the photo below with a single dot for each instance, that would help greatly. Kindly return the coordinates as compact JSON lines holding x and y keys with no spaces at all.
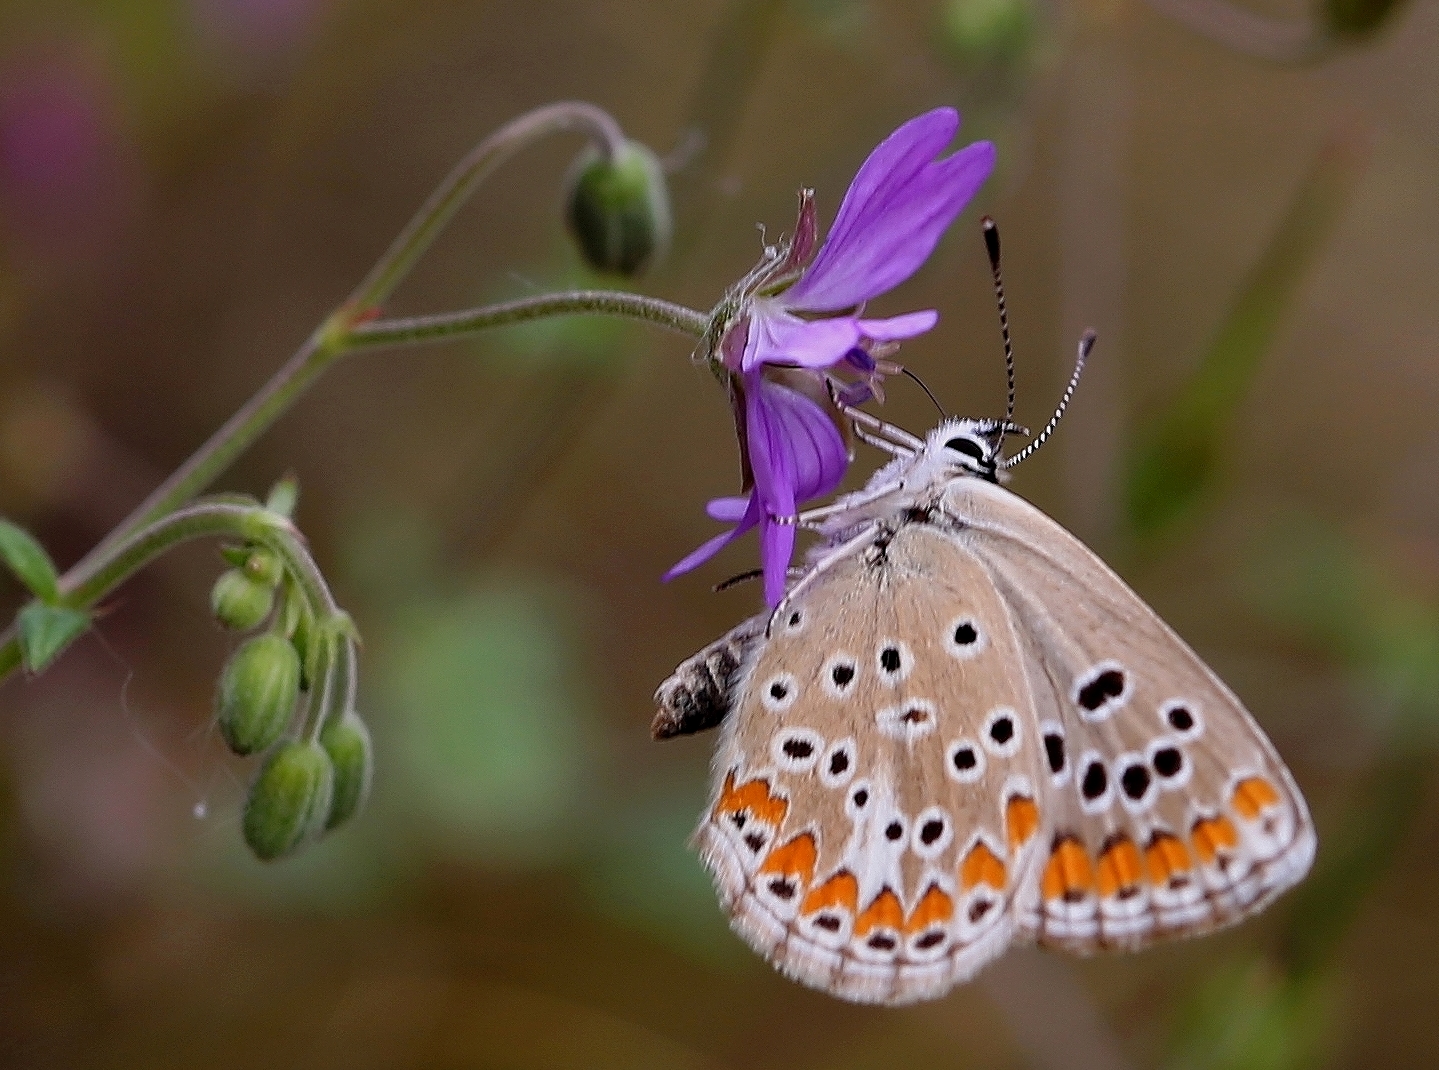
{"x":890,"y":220}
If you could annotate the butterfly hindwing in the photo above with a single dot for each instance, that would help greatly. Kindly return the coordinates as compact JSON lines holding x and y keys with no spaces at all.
{"x":876,"y":803}
{"x":1170,"y":813}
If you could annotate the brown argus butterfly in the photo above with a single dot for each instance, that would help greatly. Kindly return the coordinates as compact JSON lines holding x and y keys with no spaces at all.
{"x":961,"y":729}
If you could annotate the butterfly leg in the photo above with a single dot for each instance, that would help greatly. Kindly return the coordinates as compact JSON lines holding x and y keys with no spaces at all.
{"x":697,"y":694}
{"x":883,"y":436}
{"x":810,"y":518}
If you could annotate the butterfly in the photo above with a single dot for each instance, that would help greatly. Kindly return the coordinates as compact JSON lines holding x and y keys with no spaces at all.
{"x":959,"y":730}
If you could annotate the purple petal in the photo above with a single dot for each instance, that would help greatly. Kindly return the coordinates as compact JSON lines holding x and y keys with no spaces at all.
{"x":776,"y":337}
{"x":795,"y":449}
{"x":699,"y":556}
{"x":897,"y":327}
{"x":893,"y":214}
{"x":727,"y":510}
{"x":776,"y":547}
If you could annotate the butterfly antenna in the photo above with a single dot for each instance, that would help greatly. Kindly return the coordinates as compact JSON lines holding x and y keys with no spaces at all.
{"x":1086,"y":343}
{"x":927,"y":391}
{"x":991,"y":246}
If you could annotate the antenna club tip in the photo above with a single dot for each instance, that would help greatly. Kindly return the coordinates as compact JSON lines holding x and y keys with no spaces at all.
{"x":1087,"y":340}
{"x":991,"y":240}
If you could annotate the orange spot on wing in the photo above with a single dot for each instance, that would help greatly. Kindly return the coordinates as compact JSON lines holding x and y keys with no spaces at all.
{"x":1119,"y":866}
{"x":1252,"y":796}
{"x":1167,"y":857}
{"x":1212,"y":835}
{"x":1021,"y":818}
{"x":841,"y":890}
{"x":933,"y":908}
{"x":885,"y":912}
{"x":1068,"y":874}
{"x":753,"y":797}
{"x":981,"y":866}
{"x":793,"y":859}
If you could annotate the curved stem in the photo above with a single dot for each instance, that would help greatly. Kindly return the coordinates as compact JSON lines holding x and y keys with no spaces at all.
{"x":150,"y":524}
{"x":232,"y":439}
{"x":85,"y":584}
{"x":450,"y":325}
{"x":436,"y":213}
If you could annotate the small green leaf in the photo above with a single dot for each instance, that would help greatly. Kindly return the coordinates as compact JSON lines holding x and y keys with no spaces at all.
{"x":47,"y":630}
{"x":29,"y":561}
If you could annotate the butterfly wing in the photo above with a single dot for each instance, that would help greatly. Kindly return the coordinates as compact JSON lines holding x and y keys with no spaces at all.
{"x":1166,"y":810}
{"x":875,"y":804}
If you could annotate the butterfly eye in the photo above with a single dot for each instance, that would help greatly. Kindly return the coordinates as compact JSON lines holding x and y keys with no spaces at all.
{"x":967,"y":447}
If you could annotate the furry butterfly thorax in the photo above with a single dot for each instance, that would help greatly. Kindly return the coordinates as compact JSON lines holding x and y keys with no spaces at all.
{"x":960,"y":729}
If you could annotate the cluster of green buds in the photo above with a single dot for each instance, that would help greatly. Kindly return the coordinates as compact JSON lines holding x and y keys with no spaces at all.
{"x":288,"y":692}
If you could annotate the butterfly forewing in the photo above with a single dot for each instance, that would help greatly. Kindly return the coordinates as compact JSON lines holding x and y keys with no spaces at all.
{"x":876,"y":802}
{"x":1170,"y":812}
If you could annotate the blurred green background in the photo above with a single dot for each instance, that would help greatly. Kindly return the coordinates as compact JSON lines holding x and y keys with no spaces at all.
{"x":1241,"y":202}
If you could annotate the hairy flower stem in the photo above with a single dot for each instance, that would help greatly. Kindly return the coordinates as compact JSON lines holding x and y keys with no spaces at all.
{"x":354,"y":326}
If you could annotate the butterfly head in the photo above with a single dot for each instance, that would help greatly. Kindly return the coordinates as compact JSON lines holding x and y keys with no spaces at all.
{"x":967,"y":447}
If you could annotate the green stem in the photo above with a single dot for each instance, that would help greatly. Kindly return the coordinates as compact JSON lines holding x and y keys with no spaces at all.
{"x":452,"y":325}
{"x":432,"y":218}
{"x":347,"y":329}
{"x":84,"y":585}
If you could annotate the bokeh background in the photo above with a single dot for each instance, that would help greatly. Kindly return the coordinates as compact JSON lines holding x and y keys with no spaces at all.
{"x":1242,"y":202}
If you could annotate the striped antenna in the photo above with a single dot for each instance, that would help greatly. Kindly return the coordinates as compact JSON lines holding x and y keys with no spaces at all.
{"x":1086,"y":343}
{"x":991,"y":246}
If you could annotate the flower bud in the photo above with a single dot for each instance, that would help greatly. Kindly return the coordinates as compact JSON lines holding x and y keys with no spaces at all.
{"x":264,"y":567}
{"x":347,"y":742}
{"x":239,"y":602}
{"x":289,"y":800}
{"x":257,"y":693}
{"x":619,"y":210}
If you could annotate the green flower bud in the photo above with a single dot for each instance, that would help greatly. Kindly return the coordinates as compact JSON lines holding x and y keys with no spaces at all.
{"x":619,"y":210}
{"x":1354,"y":19}
{"x":289,"y":800}
{"x":347,"y":742}
{"x":262,"y":566}
{"x":257,"y":693}
{"x":239,"y":602}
